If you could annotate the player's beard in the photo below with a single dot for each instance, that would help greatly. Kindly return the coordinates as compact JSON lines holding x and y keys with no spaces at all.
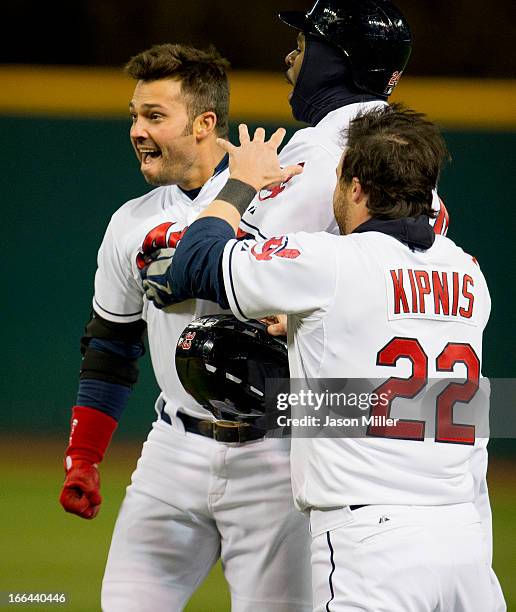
{"x":343,"y":224}
{"x":341,"y":210}
{"x":170,"y":171}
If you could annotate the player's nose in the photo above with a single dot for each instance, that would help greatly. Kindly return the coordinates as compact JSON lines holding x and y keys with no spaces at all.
{"x":138,"y":130}
{"x":290,"y":57}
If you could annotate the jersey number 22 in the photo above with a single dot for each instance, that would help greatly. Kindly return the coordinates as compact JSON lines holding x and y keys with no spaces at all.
{"x":445,"y":429}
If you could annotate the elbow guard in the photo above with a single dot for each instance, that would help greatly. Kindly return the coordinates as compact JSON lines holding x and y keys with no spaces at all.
{"x":111,"y":351}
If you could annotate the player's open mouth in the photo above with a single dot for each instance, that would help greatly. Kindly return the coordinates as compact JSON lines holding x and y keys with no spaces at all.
{"x":147,"y":155}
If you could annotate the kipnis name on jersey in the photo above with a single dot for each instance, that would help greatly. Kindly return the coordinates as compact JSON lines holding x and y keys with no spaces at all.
{"x":432,"y":294}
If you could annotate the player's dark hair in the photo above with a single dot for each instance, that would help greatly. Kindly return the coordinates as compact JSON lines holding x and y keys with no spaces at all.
{"x":202,"y":73}
{"x":397,"y":155}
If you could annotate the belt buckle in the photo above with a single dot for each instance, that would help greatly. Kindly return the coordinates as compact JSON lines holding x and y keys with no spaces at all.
{"x":222,"y":431}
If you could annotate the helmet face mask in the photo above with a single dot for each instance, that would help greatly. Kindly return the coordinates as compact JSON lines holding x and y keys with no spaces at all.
{"x":231,"y":367}
{"x":372,"y":34}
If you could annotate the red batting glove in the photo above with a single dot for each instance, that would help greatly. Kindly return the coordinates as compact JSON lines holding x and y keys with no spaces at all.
{"x":81,"y":490}
{"x":91,"y":432}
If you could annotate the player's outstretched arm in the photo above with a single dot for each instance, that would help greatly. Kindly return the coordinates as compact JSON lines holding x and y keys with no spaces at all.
{"x":252,"y":166}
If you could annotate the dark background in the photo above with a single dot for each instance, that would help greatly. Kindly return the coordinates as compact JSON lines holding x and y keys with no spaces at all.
{"x":62,"y":178}
{"x":471,"y":38}
{"x":68,"y":177}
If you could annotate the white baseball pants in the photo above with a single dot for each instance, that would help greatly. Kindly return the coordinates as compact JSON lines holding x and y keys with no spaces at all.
{"x":400,"y":559}
{"x":193,"y":499}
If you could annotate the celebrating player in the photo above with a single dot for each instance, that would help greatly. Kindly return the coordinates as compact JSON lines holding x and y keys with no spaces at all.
{"x":350,"y":56}
{"x":393,"y":522}
{"x":192,"y":498}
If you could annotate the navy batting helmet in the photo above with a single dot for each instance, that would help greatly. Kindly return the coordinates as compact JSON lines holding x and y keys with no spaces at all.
{"x":224,"y":364}
{"x":372,"y":34}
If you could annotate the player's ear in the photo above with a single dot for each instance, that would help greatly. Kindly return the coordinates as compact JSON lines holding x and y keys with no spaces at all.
{"x":204,"y":125}
{"x":357,"y":193}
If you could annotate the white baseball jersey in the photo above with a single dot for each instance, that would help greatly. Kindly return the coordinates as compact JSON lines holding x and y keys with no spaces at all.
{"x":366,"y":306}
{"x":191,"y":498}
{"x":152,"y":221}
{"x":305,"y":202}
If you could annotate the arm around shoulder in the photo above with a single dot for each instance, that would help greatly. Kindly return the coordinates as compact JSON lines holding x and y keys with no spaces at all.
{"x":291,"y":274}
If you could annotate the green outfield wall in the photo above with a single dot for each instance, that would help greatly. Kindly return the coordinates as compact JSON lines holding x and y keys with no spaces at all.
{"x":62,"y":179}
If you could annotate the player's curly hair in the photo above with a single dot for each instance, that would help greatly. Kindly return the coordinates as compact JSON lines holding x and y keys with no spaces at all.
{"x":397,"y":155}
{"x":204,"y":82}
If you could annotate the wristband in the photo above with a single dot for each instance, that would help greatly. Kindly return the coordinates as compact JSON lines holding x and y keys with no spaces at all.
{"x":238,"y":194}
{"x":90,"y":434}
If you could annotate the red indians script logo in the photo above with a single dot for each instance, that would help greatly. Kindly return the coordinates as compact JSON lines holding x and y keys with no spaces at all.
{"x":393,"y":81}
{"x":185,"y":342}
{"x":267,"y":194}
{"x":274,"y":247}
{"x":160,"y":237}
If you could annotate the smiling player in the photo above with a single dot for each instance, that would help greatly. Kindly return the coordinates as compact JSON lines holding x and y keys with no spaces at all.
{"x":198,"y":492}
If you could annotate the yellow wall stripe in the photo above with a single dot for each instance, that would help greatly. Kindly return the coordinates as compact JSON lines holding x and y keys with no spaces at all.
{"x":105,"y":92}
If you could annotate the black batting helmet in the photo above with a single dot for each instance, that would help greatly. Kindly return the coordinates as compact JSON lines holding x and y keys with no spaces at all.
{"x":372,"y":34}
{"x":224,"y":364}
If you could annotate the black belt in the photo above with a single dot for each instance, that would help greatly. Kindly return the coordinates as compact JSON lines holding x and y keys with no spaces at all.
{"x":221,"y":431}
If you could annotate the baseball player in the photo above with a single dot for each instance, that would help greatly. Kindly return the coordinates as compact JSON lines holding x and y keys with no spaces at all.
{"x":198,"y":493}
{"x":350,"y":56}
{"x":393,"y":523}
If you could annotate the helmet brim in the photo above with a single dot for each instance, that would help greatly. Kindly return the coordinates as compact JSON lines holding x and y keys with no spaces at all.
{"x":295,"y":19}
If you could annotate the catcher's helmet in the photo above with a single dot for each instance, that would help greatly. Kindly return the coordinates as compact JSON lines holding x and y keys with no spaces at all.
{"x":372,"y":34}
{"x":224,"y":364}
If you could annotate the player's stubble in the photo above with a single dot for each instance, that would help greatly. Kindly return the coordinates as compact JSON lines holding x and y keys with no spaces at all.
{"x":341,"y":207}
{"x":175,"y":158}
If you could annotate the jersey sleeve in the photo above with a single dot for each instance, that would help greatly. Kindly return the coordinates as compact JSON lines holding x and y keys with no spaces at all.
{"x":303,"y":203}
{"x":118,"y":295}
{"x":292,"y":274}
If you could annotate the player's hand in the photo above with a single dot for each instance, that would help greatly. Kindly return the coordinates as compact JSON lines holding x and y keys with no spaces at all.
{"x":276,"y":324}
{"x":256,"y":161}
{"x":155,"y":278}
{"x":81,"y":490}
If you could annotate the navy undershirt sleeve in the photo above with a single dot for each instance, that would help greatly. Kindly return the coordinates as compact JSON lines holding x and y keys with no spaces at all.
{"x":196,"y":270}
{"x":108,"y":397}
